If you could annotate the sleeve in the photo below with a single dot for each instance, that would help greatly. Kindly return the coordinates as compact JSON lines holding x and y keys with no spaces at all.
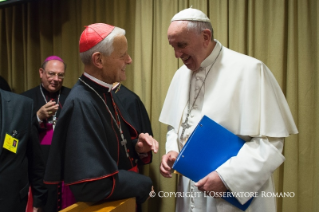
{"x":171,"y":140}
{"x":36,"y":167}
{"x":123,"y":185}
{"x":253,"y":166}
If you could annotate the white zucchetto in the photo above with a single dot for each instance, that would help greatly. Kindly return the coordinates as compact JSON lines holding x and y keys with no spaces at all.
{"x":190,"y":14}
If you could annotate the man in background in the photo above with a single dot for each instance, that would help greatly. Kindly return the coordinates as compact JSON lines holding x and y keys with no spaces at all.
{"x":49,"y":98}
{"x":238,"y":92}
{"x":21,"y":163}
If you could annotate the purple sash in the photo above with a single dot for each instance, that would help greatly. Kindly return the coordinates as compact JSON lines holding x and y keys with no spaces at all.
{"x":45,"y":137}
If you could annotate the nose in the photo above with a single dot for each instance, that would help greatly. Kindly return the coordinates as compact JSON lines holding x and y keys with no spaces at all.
{"x":178,"y":53}
{"x":55,"y":77}
{"x":129,"y":60}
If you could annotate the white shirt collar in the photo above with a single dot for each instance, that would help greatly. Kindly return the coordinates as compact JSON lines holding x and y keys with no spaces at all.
{"x":104,"y":84}
{"x":211,"y":58}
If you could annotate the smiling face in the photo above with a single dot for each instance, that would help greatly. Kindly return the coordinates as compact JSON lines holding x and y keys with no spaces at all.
{"x":52,"y":75}
{"x":188,"y":45}
{"x":114,"y":65}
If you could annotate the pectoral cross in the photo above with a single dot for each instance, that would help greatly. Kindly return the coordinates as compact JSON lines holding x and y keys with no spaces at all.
{"x":123,"y":143}
{"x":54,"y":121}
{"x":185,"y":125}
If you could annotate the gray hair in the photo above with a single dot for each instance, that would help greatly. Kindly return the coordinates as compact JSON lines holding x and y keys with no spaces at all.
{"x":199,"y":26}
{"x":105,"y":47}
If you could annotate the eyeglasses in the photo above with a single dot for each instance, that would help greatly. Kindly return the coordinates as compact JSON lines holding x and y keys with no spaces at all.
{"x":51,"y":74}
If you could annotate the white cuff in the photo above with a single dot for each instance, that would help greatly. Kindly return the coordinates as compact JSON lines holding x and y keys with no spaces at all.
{"x":171,"y":140}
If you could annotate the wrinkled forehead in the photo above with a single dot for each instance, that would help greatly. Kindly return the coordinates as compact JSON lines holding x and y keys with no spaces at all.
{"x":179,"y":33}
{"x":54,"y":66}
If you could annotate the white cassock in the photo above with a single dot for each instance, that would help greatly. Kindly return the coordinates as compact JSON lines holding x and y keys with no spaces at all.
{"x":241,"y":94}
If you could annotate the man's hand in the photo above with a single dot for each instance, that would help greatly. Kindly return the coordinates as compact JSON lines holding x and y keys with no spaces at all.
{"x":146,"y":143}
{"x":211,"y":182}
{"x":167,"y":163}
{"x":47,"y":110}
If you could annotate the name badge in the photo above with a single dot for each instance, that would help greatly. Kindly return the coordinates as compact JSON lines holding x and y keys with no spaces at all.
{"x":10,"y":143}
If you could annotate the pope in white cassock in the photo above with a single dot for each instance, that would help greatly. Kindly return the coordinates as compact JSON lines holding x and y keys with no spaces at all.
{"x":238,"y":92}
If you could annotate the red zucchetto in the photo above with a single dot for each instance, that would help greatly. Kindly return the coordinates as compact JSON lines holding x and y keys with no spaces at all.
{"x":93,"y":34}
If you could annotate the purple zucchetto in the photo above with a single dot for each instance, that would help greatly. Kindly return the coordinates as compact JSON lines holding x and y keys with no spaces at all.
{"x":53,"y":57}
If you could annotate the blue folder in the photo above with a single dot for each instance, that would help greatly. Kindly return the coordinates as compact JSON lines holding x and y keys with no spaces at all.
{"x":209,"y":146}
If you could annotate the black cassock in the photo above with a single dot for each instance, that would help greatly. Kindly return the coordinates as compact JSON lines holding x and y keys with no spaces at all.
{"x":86,"y":150}
{"x":54,"y":191}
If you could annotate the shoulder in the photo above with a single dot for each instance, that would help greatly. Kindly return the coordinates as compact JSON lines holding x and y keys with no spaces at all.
{"x":78,"y":94}
{"x":127,"y":93}
{"x":238,"y":64}
{"x":17,"y":99}
{"x":233,"y":57}
{"x":31,"y":92}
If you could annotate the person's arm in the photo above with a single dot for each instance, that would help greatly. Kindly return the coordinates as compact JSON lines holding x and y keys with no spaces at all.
{"x":123,"y":185}
{"x":36,"y":167}
{"x":253,"y":166}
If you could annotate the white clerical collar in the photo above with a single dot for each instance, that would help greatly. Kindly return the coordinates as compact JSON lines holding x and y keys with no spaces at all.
{"x":115,"y":85}
{"x":211,"y":58}
{"x":104,"y":84}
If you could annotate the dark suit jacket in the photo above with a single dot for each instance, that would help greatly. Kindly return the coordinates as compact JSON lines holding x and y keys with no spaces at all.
{"x":26,"y":167}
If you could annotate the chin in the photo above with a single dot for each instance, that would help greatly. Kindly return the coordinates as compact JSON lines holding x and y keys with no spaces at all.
{"x":190,"y":67}
{"x":122,"y":78}
{"x":54,"y":89}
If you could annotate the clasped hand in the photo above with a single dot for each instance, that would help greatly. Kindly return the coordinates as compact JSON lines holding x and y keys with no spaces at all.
{"x":47,"y":110}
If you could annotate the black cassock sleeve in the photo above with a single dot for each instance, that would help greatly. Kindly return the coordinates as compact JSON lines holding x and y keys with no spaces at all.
{"x":127,"y":184}
{"x":36,"y":167}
